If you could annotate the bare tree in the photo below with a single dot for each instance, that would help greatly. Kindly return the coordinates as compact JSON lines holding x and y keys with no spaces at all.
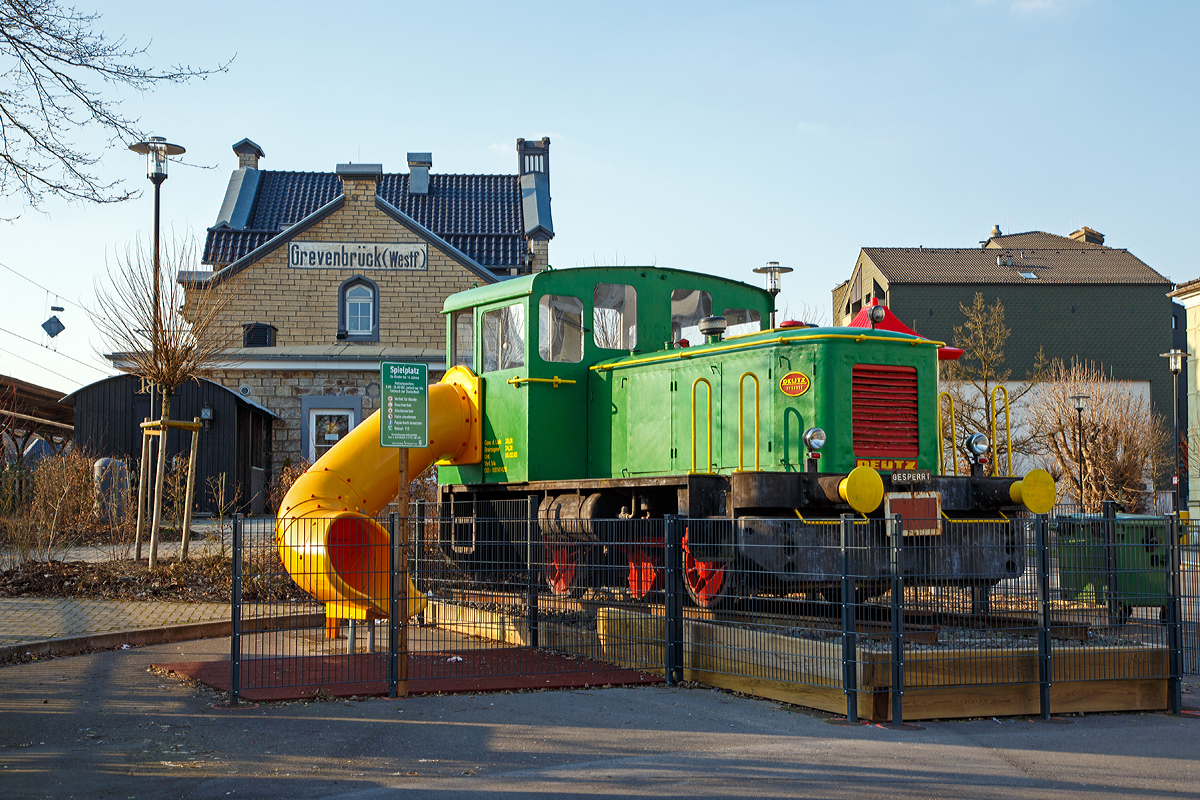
{"x":144,"y":322}
{"x":1124,"y":443}
{"x":973,"y":378}
{"x":51,"y":53}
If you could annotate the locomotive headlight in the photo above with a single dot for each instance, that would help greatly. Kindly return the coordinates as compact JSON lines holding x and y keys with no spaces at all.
{"x":814,"y":438}
{"x":978,"y":444}
{"x":877,"y":314}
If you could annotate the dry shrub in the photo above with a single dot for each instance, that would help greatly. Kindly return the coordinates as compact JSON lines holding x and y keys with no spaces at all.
{"x":1125,"y":444}
{"x":288,"y":474}
{"x":60,"y":508}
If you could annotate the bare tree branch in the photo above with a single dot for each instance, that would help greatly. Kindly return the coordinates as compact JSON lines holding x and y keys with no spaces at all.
{"x":1125,"y":445}
{"x":145,"y":324}
{"x":48,"y":55}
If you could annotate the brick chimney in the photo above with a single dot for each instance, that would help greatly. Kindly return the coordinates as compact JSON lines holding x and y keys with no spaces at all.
{"x":360,"y":182}
{"x":1086,"y":234}
{"x":248,"y":154}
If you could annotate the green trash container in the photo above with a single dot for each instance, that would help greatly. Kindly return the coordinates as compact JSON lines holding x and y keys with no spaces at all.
{"x":1141,"y":560}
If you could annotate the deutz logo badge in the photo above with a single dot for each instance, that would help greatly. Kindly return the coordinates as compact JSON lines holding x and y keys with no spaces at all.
{"x":794,"y":384}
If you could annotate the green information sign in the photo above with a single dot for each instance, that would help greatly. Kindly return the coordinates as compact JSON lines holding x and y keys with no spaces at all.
{"x":404,"y":404}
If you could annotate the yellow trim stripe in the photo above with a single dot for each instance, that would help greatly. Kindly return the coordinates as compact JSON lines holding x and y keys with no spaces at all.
{"x":684,"y":353}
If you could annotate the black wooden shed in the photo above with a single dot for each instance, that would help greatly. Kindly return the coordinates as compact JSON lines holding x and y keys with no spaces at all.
{"x":236,"y":441}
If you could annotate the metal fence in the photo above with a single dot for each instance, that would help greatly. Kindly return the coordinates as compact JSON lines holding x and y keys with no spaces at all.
{"x":876,"y":617}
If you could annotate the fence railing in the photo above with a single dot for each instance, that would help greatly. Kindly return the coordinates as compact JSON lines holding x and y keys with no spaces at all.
{"x":887,"y":614}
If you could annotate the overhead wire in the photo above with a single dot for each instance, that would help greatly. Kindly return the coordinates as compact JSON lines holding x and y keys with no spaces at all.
{"x":43,"y":288}
{"x":64,"y":355}
{"x":41,"y":366}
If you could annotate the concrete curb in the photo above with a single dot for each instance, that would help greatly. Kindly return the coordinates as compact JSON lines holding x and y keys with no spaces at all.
{"x":137,"y":637}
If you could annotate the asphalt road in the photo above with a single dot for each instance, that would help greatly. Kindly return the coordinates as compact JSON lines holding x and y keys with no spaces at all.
{"x":102,"y":725}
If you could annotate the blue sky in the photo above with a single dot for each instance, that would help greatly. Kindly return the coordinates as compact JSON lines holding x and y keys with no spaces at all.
{"x":704,"y":136}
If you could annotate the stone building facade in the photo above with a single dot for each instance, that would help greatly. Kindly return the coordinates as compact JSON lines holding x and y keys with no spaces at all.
{"x":334,"y":273}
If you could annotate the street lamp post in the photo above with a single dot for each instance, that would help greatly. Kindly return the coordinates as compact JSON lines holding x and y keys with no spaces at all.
{"x":1079,"y":401}
{"x":772,"y":270}
{"x":157,"y":150}
{"x":1175,"y":360}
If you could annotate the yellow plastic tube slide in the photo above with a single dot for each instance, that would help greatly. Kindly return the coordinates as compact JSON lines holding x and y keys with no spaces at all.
{"x":326,"y":536}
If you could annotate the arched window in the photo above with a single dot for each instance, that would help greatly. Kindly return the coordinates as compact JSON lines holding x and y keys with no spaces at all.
{"x":358,"y":310}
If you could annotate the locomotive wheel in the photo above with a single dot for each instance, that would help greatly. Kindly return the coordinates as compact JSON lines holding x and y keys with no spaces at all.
{"x":645,"y":568}
{"x":566,"y":569}
{"x":707,"y":581}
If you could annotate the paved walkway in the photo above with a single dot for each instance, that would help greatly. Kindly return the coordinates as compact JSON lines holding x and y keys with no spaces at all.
{"x":34,"y":619}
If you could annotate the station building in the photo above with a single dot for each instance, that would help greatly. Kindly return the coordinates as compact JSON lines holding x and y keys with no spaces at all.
{"x":335,"y":272}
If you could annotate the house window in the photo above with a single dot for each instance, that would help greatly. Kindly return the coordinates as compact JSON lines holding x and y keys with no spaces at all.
{"x":504,"y":338}
{"x":614,"y":316}
{"x":358,"y":310}
{"x":463,"y":331}
{"x":327,"y":427}
{"x":688,"y":307}
{"x":325,"y":420}
{"x":560,"y":329}
{"x":1029,"y":276}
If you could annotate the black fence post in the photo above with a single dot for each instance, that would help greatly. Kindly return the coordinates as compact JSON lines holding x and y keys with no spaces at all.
{"x":673,"y":606}
{"x":849,"y":630}
{"x":533,"y":567}
{"x":1043,"y":615}
{"x":1113,"y":600}
{"x":419,"y":544}
{"x":896,"y":540}
{"x":235,"y":616}
{"x":1175,"y":620}
{"x":394,"y":604}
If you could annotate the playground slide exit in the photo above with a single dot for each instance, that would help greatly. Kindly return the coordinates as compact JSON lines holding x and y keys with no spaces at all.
{"x":326,"y":536}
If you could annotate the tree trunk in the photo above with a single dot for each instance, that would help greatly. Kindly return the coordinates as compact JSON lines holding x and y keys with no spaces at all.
{"x":159,"y":478}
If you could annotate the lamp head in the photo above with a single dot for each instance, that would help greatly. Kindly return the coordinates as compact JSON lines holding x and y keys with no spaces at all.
{"x":156,"y":149}
{"x":1175,"y":360}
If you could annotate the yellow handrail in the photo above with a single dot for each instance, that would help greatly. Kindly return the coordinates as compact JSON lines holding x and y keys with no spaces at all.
{"x":517,"y":381}
{"x":695,"y":383}
{"x":941,"y":439}
{"x":1007,"y":429}
{"x":742,"y":380}
{"x":703,"y":350}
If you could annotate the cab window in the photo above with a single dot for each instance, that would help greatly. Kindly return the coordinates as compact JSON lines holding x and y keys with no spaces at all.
{"x":463,"y":330}
{"x":560,"y":328}
{"x":741,"y":321}
{"x":688,"y":307}
{"x":614,"y":316}
{"x":504,"y":338}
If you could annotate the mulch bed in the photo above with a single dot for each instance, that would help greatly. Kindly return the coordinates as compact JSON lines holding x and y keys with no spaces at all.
{"x":365,"y":674}
{"x":207,"y":579}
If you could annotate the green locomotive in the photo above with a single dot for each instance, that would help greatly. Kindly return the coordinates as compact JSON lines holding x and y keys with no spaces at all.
{"x":637,"y":392}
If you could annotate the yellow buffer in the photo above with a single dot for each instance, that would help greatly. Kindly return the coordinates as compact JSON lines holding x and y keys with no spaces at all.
{"x":327,"y":540}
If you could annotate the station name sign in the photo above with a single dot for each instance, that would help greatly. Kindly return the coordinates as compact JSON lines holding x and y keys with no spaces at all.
{"x":358,"y":255}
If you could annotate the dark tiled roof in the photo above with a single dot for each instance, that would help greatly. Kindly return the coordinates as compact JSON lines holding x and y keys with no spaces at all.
{"x":1038,"y":240}
{"x":1074,"y":265}
{"x":478,"y":214}
{"x":1186,"y":288}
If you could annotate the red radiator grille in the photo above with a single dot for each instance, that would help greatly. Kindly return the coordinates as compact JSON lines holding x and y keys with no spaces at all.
{"x":885,"y":411}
